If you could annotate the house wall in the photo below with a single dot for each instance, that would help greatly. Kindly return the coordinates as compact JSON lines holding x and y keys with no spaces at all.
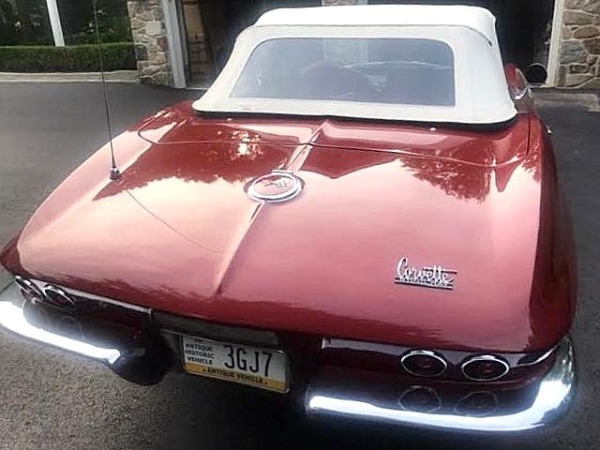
{"x":150,"y":39}
{"x":579,"y":59}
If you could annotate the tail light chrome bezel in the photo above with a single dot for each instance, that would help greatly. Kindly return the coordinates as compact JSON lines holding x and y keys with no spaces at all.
{"x":47,"y":294}
{"x":428,"y":353}
{"x":484,"y":358}
{"x":29,"y":288}
{"x":57,"y":297}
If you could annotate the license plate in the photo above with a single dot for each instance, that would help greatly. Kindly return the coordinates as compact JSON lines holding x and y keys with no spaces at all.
{"x":254,"y":366}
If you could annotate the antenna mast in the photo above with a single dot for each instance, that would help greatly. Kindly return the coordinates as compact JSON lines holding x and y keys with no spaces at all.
{"x":115,"y":174}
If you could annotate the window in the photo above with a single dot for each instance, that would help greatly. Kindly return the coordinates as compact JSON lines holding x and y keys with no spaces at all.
{"x":77,"y":20}
{"x":24,"y":23}
{"x":373,"y":70}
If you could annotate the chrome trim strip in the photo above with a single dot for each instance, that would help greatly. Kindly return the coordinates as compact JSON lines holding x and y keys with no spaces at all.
{"x":551,"y":401}
{"x":13,"y":319}
{"x":538,"y":360}
{"x":478,"y":358}
{"x":423,"y":353}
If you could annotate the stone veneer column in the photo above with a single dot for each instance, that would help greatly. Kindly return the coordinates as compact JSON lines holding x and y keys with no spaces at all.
{"x":150,"y":39}
{"x":579,"y":59}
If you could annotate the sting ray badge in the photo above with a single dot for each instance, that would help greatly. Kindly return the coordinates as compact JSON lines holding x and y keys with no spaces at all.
{"x":277,"y":186}
{"x":435,"y":277}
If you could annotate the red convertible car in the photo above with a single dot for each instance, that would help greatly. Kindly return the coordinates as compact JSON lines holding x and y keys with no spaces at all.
{"x":361,"y":213}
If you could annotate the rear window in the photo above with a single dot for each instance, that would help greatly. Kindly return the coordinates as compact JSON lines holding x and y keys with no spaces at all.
{"x":373,"y":70}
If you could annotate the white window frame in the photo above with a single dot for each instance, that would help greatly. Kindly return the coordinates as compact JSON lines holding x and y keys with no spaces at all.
{"x":57,"y":31}
{"x":176,"y":61}
{"x":555,"y":41}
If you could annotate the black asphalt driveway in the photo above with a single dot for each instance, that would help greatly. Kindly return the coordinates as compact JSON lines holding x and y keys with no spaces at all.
{"x":53,"y":400}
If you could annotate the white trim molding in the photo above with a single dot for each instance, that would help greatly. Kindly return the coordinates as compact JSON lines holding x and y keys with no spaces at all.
{"x":57,"y":31}
{"x":175,"y":45}
{"x":555,"y":41}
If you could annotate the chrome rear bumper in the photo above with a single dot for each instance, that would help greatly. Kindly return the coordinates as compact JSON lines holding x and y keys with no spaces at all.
{"x":144,"y":361}
{"x":554,"y":393}
{"x":140,"y":359}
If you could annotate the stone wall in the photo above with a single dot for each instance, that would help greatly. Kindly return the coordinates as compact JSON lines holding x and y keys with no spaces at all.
{"x":150,"y":39}
{"x":580,"y":46}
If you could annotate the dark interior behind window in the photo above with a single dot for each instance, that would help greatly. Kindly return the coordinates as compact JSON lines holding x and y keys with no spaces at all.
{"x":378,"y":70}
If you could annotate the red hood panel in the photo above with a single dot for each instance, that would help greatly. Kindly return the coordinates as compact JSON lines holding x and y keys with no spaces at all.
{"x":178,"y":233}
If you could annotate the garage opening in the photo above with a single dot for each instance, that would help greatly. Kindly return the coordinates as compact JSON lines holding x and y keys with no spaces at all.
{"x":524,"y":27}
{"x":211,"y":26}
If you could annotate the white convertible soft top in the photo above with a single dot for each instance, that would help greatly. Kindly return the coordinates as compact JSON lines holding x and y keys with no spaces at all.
{"x":478,"y":19}
{"x":480,"y":96}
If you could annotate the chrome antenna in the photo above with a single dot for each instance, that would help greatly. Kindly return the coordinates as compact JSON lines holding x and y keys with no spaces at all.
{"x":115,"y":173}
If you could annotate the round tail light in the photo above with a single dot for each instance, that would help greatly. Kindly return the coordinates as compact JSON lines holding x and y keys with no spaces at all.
{"x":420,"y":399}
{"x":57,"y":297}
{"x":477,"y":404}
{"x":423,"y":363}
{"x":29,"y":288}
{"x":484,"y":368}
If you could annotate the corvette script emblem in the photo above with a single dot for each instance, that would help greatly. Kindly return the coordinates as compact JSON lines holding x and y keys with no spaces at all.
{"x":435,"y":277}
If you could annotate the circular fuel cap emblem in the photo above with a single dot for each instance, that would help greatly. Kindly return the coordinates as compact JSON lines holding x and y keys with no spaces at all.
{"x":278,"y":186}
